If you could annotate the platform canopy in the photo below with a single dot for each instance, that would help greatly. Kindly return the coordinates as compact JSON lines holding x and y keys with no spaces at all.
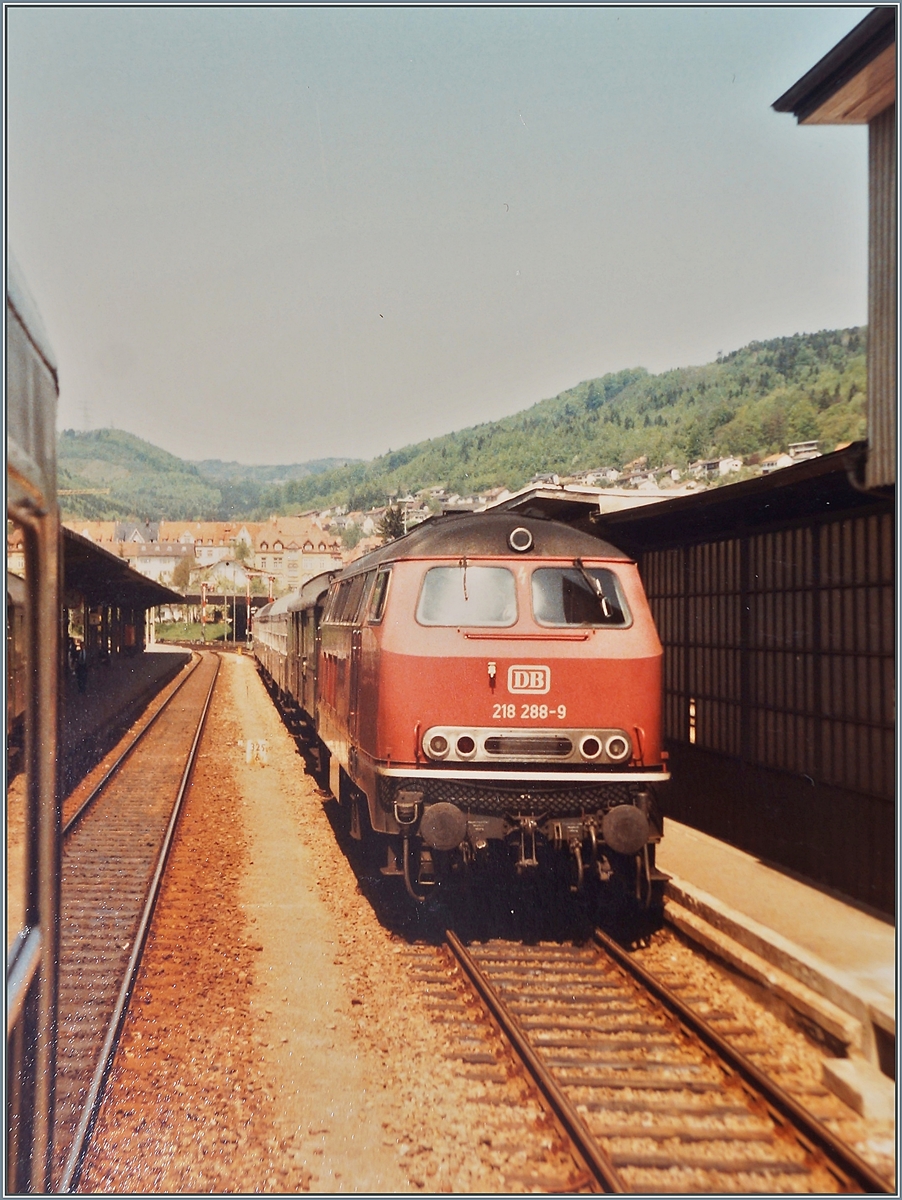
{"x":104,"y":578}
{"x":854,"y":82}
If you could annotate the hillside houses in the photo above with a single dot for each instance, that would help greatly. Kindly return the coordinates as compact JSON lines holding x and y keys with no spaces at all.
{"x":278,"y":555}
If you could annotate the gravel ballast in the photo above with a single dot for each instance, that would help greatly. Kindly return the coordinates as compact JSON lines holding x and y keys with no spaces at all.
{"x":281,"y":1037}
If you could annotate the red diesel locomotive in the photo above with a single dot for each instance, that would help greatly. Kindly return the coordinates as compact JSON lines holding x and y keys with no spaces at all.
{"x":486,"y":687}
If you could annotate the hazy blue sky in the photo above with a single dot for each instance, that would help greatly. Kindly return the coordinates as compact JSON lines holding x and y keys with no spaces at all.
{"x":278,"y":233}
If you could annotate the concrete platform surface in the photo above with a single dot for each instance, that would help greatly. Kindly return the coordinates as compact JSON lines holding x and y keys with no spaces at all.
{"x":113,"y":690}
{"x":841,"y":952}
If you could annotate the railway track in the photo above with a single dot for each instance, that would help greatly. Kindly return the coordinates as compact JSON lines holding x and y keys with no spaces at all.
{"x":114,"y":851}
{"x":651,"y":1098}
{"x":89,"y":789}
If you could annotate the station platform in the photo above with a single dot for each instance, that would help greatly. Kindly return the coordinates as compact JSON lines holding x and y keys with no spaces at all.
{"x":830,"y":959}
{"x":115,"y":694}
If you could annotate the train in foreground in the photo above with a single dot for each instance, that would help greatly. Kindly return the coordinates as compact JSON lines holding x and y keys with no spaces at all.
{"x":485,"y":689}
{"x":32,"y":643}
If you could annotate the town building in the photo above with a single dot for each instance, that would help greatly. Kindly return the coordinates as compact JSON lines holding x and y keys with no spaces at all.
{"x":213,"y":541}
{"x":155,"y":560}
{"x":799,"y":451}
{"x":291,"y":550}
{"x":775,"y":462}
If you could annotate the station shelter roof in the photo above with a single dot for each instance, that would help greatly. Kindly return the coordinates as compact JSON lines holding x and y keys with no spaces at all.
{"x":854,"y":81}
{"x":104,"y":578}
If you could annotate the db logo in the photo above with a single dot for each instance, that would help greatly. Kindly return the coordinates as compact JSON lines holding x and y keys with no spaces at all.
{"x":529,"y":679}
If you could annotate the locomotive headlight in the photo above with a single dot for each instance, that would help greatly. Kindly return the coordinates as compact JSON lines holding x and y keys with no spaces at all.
{"x":466,"y":746}
{"x":590,"y":747}
{"x":617,"y":747}
{"x":437,"y":746}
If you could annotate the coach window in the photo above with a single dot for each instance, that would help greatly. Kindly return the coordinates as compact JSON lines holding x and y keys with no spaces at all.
{"x":578,"y":596}
{"x":380,"y":592}
{"x":468,"y":596}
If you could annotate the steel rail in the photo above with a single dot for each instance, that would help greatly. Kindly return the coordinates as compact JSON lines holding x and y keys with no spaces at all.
{"x":835,"y":1155}
{"x":69,"y":1178}
{"x":113,"y":770}
{"x":601,"y":1169}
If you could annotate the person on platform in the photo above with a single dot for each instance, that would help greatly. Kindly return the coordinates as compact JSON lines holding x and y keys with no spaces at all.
{"x":81,"y":668}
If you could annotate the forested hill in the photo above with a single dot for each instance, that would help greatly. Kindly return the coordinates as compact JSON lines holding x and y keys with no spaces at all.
{"x":752,"y":402}
{"x":149,"y":483}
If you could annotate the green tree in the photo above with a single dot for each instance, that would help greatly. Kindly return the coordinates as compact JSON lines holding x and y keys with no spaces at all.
{"x":181,"y":576}
{"x":392,"y":524}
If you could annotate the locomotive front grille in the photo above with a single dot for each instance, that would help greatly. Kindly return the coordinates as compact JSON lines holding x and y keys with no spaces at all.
{"x":474,"y":744}
{"x":530,"y":747}
{"x":541,"y":800}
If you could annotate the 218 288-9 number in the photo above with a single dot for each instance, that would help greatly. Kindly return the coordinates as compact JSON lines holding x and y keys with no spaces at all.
{"x":529,"y":712}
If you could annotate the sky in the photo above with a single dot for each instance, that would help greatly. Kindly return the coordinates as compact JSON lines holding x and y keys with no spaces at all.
{"x":274,"y":234}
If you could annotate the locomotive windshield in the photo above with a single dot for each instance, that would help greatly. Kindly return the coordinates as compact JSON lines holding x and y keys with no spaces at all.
{"x":467,"y":595}
{"x":578,"y":596}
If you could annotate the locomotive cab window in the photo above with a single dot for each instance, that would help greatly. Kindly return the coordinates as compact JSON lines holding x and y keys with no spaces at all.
{"x":331,"y":604}
{"x":469,"y":596}
{"x":578,"y":596}
{"x":378,"y":598}
{"x":347,"y":600}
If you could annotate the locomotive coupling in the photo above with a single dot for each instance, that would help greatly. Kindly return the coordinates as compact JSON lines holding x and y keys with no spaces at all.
{"x":407,"y":807}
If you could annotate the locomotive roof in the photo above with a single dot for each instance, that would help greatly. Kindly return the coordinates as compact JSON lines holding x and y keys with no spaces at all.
{"x":311,"y":591}
{"x":278,"y":606}
{"x":485,"y":535}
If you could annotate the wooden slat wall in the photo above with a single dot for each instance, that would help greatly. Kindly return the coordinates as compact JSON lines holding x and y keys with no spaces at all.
{"x":779,"y":649}
{"x":857,"y":642}
{"x":782,"y":649}
{"x":881,"y":467}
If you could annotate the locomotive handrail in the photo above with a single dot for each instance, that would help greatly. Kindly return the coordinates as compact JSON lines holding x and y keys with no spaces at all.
{"x":582,"y":636}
